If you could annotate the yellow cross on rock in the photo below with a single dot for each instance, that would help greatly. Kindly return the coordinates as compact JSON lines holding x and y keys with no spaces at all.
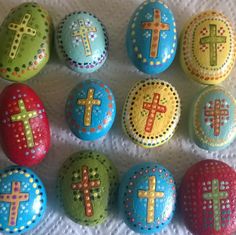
{"x":89,"y":102}
{"x":150,"y":195}
{"x":25,"y":116}
{"x":20,"y":30}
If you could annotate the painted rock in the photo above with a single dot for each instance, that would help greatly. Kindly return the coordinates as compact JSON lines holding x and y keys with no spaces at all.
{"x":25,"y":46}
{"x":87,"y":185}
{"x":151,"y":112}
{"x":212,"y":123}
{"x":23,"y":200}
{"x":207,"y":48}
{"x":207,"y":198}
{"x":147,"y":197}
{"x":151,"y":37}
{"x":90,"y":110}
{"x":82,"y":42}
{"x":24,"y":127}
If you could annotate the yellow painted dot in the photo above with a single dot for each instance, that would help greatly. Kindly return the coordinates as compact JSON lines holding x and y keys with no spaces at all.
{"x":140,"y":56}
{"x":151,"y":63}
{"x":164,"y":60}
{"x":15,"y":229}
{"x":37,"y":191}
{"x":144,"y":60}
{"x":136,"y":49}
{"x":22,"y":227}
{"x":158,"y":62}
{"x":34,"y":185}
{"x":7,"y":229}
{"x":133,"y":33}
{"x":31,"y":180}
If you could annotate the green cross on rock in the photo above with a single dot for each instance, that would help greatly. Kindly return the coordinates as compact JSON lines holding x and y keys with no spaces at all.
{"x":213,"y":40}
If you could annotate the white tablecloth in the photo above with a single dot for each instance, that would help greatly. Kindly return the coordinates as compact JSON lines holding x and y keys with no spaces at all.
{"x":54,"y":83}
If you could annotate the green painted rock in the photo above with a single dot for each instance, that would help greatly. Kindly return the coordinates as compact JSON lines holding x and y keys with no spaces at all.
{"x":25,"y":37}
{"x":87,"y":187}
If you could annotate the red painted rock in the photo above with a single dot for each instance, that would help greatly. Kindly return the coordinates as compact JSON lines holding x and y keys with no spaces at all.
{"x":24,"y":127}
{"x":208,"y":198}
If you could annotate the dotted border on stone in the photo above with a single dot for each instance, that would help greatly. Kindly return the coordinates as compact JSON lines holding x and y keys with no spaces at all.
{"x":18,"y":72}
{"x":142,"y":172}
{"x":37,"y":184}
{"x":142,"y":140}
{"x":199,"y":132}
{"x":69,"y":60}
{"x":134,"y":41}
{"x":185,"y":50}
{"x":110,"y":169}
{"x":110,"y":108}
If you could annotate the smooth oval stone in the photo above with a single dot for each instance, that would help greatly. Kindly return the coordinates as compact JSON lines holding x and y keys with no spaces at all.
{"x":82,"y":42}
{"x":25,"y":46}
{"x":90,"y":110}
{"x":87,"y":187}
{"x":212,"y":122}
{"x":151,"y":112}
{"x":207,"y":198}
{"x":151,"y":37}
{"x":147,"y":196}
{"x":207,"y":48}
{"x":23,"y":200}
{"x":24,"y":127}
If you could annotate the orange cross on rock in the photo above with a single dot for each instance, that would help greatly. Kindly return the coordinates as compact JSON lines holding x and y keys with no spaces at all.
{"x":156,"y":26}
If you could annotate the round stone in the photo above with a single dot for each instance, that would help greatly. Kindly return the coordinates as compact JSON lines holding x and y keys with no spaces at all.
{"x":23,"y":200}
{"x":25,"y":35}
{"x":82,"y":42}
{"x":212,"y":122}
{"x":87,"y":187}
{"x":208,"y":48}
{"x":151,"y":112}
{"x":90,"y":110}
{"x":147,"y":197}
{"x":24,"y":126}
{"x":207,"y":198}
{"x":151,"y":38}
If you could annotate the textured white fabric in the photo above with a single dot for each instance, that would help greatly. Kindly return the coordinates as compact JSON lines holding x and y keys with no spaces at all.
{"x":54,"y":83}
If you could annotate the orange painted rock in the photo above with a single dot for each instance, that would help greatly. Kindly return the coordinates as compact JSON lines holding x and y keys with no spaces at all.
{"x":24,"y":127}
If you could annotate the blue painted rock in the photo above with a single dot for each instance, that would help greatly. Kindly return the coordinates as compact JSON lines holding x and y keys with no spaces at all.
{"x":207,"y":198}
{"x":151,"y":37}
{"x":24,"y":127}
{"x":82,"y":42}
{"x":23,"y":200}
{"x":147,"y":197}
{"x":90,"y":110}
{"x":87,"y":185}
{"x":151,"y":113}
{"x":212,"y":123}
{"x":208,"y":47}
{"x":25,"y":46}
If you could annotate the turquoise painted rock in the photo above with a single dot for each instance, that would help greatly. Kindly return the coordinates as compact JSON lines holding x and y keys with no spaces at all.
{"x":25,"y":37}
{"x":90,"y":110}
{"x":87,"y":186}
{"x":212,"y":123}
{"x":151,"y":38}
{"x":82,"y":42}
{"x":147,"y":197}
{"x":23,"y":200}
